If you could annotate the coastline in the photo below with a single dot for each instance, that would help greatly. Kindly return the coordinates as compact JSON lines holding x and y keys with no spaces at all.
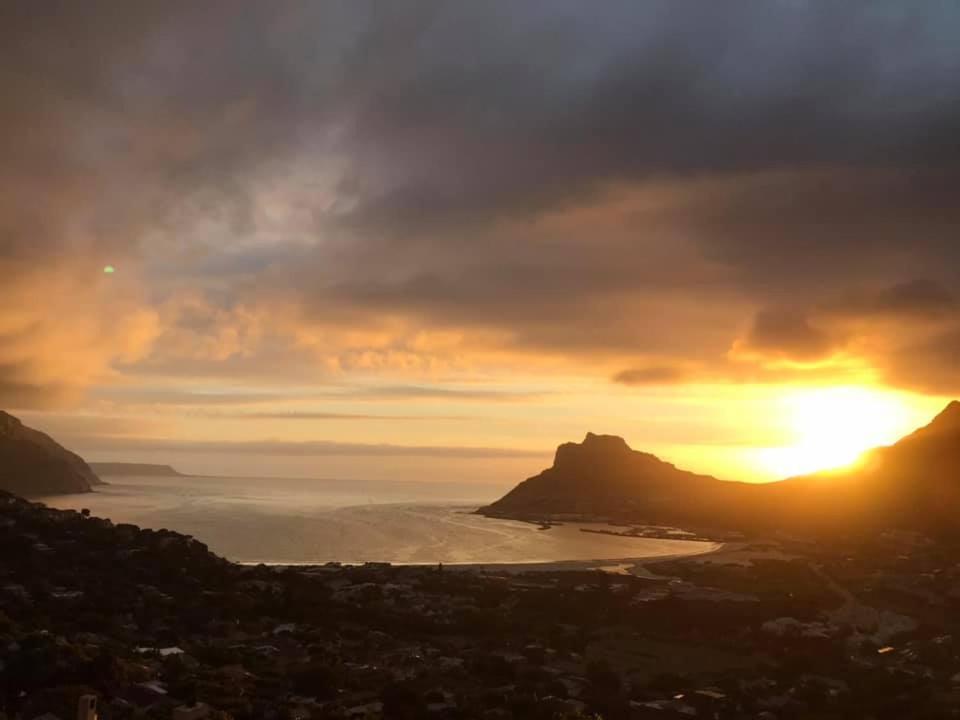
{"x":303,"y":529}
{"x":633,"y":565}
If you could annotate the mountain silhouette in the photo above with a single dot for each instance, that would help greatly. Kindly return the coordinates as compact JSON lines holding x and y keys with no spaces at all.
{"x":34,"y":464}
{"x":603,"y":476}
{"x":914,"y":484}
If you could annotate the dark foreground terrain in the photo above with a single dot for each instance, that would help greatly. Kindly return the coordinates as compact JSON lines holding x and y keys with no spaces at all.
{"x":150,"y":621}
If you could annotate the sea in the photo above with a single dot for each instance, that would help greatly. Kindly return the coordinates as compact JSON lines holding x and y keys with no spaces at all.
{"x":303,"y":521}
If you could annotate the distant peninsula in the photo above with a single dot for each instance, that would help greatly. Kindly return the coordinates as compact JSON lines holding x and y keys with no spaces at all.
{"x":33,"y":464}
{"x":108,"y":469}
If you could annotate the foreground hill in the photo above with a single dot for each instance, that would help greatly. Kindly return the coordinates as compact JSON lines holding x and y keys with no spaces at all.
{"x":912,"y":484}
{"x":34,"y":464}
{"x":150,"y":622}
{"x":105,"y":469}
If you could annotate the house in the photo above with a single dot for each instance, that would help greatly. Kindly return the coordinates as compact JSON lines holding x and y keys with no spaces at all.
{"x":87,"y":707}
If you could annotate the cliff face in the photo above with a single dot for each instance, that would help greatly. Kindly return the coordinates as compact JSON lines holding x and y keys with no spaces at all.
{"x":33,"y":464}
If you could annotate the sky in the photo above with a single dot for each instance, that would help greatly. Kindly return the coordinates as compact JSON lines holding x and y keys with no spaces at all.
{"x":436,"y":239}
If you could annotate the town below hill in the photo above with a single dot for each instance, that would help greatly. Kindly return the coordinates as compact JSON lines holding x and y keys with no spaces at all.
{"x":151,"y":624}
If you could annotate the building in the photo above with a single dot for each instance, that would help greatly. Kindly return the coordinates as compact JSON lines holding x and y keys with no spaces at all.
{"x":87,"y":707}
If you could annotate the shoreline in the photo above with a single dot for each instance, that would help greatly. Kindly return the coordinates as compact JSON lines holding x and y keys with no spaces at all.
{"x":617,"y":560}
{"x":635,"y":564}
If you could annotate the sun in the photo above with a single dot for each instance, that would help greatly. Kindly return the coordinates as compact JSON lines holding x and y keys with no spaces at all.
{"x":831,"y":428}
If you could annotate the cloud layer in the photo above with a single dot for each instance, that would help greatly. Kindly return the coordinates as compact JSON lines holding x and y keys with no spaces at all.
{"x":655,"y":193}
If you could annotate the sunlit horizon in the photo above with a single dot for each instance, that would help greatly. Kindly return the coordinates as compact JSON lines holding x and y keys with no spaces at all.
{"x":834,"y":427}
{"x":746,"y":433}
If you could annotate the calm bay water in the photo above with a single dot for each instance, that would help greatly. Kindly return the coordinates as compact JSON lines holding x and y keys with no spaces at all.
{"x":312,"y":521}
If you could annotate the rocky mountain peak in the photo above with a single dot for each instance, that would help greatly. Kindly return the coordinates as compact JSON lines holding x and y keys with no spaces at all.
{"x":594,"y":448}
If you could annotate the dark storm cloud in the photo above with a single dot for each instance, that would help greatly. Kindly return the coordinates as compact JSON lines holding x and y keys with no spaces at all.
{"x":928,"y":365}
{"x":820,"y":231}
{"x":789,"y":334}
{"x":439,"y":160}
{"x":802,"y":156}
{"x":567,"y":98}
{"x":734,"y":370}
{"x":462,"y":110}
{"x":916,"y":299}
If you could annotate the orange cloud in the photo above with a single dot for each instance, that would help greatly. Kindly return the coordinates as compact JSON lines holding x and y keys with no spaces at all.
{"x":62,"y":327}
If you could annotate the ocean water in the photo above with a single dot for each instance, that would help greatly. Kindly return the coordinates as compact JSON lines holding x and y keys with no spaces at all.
{"x":276,"y":520}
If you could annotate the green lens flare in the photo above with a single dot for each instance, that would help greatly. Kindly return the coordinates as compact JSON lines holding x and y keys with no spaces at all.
{"x":109,"y":269}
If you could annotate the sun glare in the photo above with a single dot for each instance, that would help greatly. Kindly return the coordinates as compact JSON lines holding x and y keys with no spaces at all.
{"x":831,"y":428}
